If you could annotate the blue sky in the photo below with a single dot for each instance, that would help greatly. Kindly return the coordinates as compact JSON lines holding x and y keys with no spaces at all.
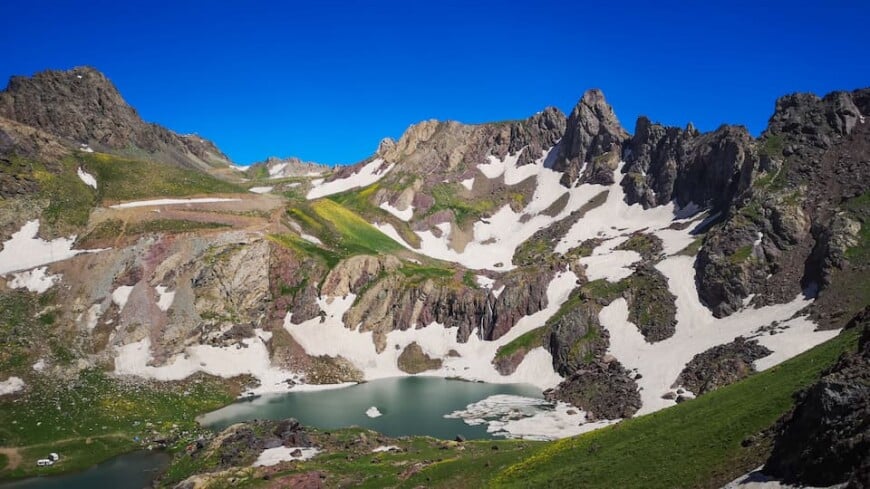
{"x":326,"y":80}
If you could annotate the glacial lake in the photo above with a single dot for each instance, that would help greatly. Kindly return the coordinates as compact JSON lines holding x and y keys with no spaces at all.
{"x":134,"y":470}
{"x":408,"y":406}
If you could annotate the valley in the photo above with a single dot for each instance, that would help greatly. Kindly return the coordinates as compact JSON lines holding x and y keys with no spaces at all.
{"x":589,"y":294}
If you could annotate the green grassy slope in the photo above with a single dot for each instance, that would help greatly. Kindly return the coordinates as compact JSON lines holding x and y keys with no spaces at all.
{"x":694,"y":444}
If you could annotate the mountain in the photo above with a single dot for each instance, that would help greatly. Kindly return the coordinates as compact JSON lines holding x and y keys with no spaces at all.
{"x":620,"y":274}
{"x":274,"y":168}
{"x":83,"y":108}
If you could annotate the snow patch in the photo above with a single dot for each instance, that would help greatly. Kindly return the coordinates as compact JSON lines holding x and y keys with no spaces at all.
{"x":367,"y":175}
{"x":37,"y":280}
{"x":386,"y":448}
{"x":484,"y":281}
{"x":121,"y":294}
{"x":698,"y":330}
{"x":23,"y":250}
{"x":310,"y":238}
{"x":91,"y":317}
{"x":274,"y":456}
{"x":757,"y":480}
{"x":39,"y":366}
{"x":261,"y":190}
{"x":86,"y":177}
{"x":468,"y":183}
{"x":609,"y":264}
{"x":156,"y":202}
{"x":250,"y":357}
{"x":11,"y":386}
{"x":165,"y":297}
{"x":404,"y":215}
{"x":374,"y":412}
{"x":332,"y":338}
{"x":526,"y":417}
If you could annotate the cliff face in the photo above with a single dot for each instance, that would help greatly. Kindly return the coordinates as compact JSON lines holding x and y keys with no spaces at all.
{"x":668,"y":163}
{"x":82,"y":106}
{"x":825,"y":439}
{"x":591,"y":133}
{"x":788,"y":232}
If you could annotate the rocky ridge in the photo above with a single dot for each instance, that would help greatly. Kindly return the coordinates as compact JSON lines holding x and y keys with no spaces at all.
{"x":83,"y":107}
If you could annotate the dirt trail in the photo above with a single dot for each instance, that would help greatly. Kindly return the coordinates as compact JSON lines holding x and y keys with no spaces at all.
{"x":13,"y":458}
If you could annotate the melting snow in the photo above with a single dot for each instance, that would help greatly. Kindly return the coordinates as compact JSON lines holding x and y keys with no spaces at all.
{"x":366,"y":175}
{"x":261,"y":190}
{"x":373,"y":412}
{"x":757,"y":480}
{"x":86,"y":177}
{"x":165,"y":297}
{"x":386,"y":448}
{"x":310,"y":238}
{"x":36,"y":280}
{"x":697,"y":331}
{"x":274,"y":456}
{"x":526,"y":417}
{"x":468,"y":183}
{"x":121,"y":294}
{"x":153,"y":202}
{"x":11,"y":385}
{"x":24,"y":250}
{"x":404,"y":215}
{"x":39,"y":366}
{"x":251,"y":357}
{"x":484,"y":281}
{"x":332,"y":338}
{"x":607,"y":263}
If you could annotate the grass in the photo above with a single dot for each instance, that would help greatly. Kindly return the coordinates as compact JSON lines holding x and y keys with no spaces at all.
{"x":26,"y":330}
{"x":94,"y":417}
{"x":446,"y":197}
{"x":694,"y":444}
{"x":423,"y":272}
{"x":121,"y":179}
{"x":112,"y":229}
{"x":693,"y":248}
{"x":859,"y":208}
{"x":343,"y":232}
{"x":69,"y":201}
{"x":604,"y":290}
{"x":741,"y":254}
{"x":525,"y":342}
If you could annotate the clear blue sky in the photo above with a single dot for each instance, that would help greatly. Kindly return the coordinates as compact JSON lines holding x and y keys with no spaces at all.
{"x":326,"y":80}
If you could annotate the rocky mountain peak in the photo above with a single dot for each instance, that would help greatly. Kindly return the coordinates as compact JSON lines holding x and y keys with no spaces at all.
{"x":83,"y":106}
{"x":592,"y":130}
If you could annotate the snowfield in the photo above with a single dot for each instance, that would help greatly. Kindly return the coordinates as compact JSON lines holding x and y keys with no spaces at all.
{"x":23,"y":250}
{"x":227,"y":362}
{"x":37,"y":280}
{"x":161,"y":202}
{"x":525,"y":417}
{"x":366,"y":176}
{"x":274,"y":456}
{"x":332,"y":338}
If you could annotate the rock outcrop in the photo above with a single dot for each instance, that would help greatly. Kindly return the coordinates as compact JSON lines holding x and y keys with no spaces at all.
{"x":82,"y":106}
{"x":720,"y":366}
{"x":669,"y":163}
{"x":788,"y":232}
{"x":576,"y":338}
{"x":603,"y":389}
{"x":825,"y":439}
{"x":274,"y":167}
{"x":592,"y":131}
{"x":414,"y":360}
